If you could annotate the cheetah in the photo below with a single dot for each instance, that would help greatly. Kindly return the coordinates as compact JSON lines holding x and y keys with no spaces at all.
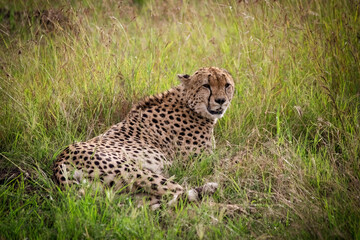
{"x":134,"y":153}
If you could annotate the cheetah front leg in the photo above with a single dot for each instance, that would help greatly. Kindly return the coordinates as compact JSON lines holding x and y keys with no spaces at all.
{"x":145,"y":198}
{"x":158,"y":186}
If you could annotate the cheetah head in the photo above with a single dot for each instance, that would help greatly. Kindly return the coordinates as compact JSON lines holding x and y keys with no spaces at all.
{"x":208,"y":91}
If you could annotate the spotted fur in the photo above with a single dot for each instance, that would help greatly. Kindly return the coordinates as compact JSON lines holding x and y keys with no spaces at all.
{"x":133,"y":153}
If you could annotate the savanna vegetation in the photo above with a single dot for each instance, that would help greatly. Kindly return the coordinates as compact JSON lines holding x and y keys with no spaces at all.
{"x":288,"y":149}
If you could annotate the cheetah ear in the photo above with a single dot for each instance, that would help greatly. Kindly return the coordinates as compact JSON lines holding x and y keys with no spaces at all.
{"x":184,"y":78}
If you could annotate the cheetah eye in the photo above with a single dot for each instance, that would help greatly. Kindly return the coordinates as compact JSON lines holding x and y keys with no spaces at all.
{"x":206,"y":86}
{"x":227,"y":85}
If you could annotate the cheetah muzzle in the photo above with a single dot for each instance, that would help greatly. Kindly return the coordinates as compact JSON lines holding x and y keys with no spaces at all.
{"x":133,"y":154}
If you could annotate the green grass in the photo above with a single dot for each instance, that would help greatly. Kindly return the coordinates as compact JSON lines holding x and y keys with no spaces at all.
{"x":288,"y":149}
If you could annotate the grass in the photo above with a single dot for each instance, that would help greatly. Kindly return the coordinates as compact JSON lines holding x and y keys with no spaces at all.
{"x":288,"y":149}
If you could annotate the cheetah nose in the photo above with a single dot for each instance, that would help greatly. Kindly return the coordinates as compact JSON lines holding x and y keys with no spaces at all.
{"x":220,"y":100}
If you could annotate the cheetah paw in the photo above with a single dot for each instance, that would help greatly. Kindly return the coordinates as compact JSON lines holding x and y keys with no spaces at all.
{"x":210,"y":188}
{"x":197,"y":193}
{"x":193,"y":195}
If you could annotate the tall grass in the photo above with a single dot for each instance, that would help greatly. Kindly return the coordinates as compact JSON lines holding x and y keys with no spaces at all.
{"x":288,"y":148}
